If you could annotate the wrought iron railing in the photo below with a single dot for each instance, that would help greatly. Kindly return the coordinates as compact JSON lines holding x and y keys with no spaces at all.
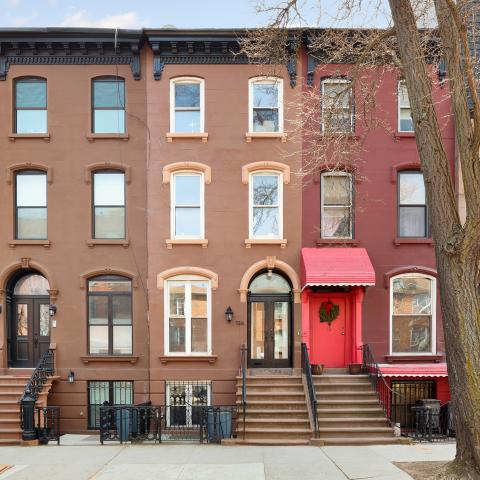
{"x":48,"y":424}
{"x":243,"y":371}
{"x":312,"y":395}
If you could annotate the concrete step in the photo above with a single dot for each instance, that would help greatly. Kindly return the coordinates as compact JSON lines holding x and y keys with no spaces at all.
{"x":7,"y":423}
{"x":268,"y":441}
{"x":276,"y":433}
{"x":343,"y":387}
{"x":353,"y":441}
{"x":276,"y":413}
{"x":340,"y":378}
{"x":272,"y":378}
{"x":10,"y":413}
{"x":347,"y":403}
{"x":285,"y":396}
{"x":275,"y":404}
{"x":360,"y":396}
{"x":352,"y":422}
{"x":350,"y":412}
{"x":377,"y":432}
{"x":287,"y":423}
{"x":261,"y":387}
{"x":13,"y":433}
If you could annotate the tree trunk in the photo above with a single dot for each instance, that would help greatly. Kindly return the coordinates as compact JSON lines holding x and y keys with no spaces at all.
{"x":456,"y":247}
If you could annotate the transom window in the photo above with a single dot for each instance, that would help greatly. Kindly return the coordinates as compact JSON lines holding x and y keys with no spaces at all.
{"x":33,"y":284}
{"x":266,"y":105}
{"x":187,"y":200}
{"x":337,"y":105}
{"x":405,"y":122}
{"x":336,"y":205}
{"x":266,"y":205}
{"x":30,"y":105}
{"x":188,"y":316}
{"x":110,"y":315}
{"x":108,"y":107}
{"x":31,"y":205}
{"x":412,"y":299}
{"x":187,"y":110}
{"x":108,"y":204}
{"x":269,"y":283}
{"x":412,"y":206}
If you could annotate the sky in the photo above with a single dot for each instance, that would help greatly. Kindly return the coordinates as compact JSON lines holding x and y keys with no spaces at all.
{"x":152,"y":13}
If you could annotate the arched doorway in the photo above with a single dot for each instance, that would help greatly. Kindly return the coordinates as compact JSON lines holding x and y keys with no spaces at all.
{"x":270,"y":321}
{"x":28,"y":313}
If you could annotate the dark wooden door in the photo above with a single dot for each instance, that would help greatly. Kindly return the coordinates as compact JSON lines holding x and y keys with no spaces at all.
{"x":269,"y":331}
{"x":30,"y":327}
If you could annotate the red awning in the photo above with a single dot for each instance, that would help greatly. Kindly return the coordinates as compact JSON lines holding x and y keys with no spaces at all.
{"x":336,"y":266}
{"x":415,"y":370}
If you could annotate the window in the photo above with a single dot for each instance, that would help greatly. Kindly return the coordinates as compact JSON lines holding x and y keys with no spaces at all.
{"x":405,"y":122}
{"x":266,"y":205}
{"x":30,"y":105}
{"x":109,"y":315}
{"x":184,"y":401}
{"x":412,"y":308}
{"x":336,"y":212}
{"x":187,"y":108}
{"x":108,"y":205}
{"x":111,"y":393}
{"x":337,"y":105}
{"x":265,"y":105}
{"x":188,"y":316}
{"x":187,"y":216}
{"x":412,"y":207}
{"x":108,"y":105}
{"x":31,"y":205}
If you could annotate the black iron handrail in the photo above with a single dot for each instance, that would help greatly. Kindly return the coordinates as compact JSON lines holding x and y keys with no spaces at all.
{"x":312,"y":395}
{"x":243,"y":367}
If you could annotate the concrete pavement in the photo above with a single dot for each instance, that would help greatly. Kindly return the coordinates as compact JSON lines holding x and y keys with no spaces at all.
{"x":214,"y":462}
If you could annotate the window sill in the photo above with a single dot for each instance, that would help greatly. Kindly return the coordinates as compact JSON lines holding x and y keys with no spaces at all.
{"x":337,"y":241}
{"x":17,"y":136}
{"x":413,"y":241}
{"x":91,"y":137}
{"x":92,"y":242}
{"x":211,"y":359}
{"x":186,"y":241}
{"x":17,"y":243}
{"x":413,"y":358}
{"x":399,"y":135}
{"x":256,"y":241}
{"x":249,"y":136}
{"x":110,"y":358}
{"x":346,"y":135}
{"x":188,"y":136}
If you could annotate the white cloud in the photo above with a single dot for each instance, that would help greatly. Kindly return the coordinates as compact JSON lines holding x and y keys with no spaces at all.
{"x":80,"y":18}
{"x":23,"y":21}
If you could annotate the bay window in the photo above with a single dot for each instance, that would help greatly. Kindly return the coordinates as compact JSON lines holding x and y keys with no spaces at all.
{"x":336,"y":205}
{"x":187,"y":217}
{"x":265,"y":105}
{"x":412,"y":205}
{"x":187,"y":105}
{"x":337,"y":105}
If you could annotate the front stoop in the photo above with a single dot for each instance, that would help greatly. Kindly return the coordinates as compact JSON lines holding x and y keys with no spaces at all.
{"x":276,"y":412}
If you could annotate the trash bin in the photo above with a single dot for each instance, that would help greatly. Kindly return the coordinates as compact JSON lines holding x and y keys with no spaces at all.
{"x":123,"y":423}
{"x":433,"y":405}
{"x":219,"y":424}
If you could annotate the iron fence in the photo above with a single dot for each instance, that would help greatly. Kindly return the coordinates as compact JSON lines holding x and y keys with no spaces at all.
{"x":312,"y":395}
{"x":48,"y":424}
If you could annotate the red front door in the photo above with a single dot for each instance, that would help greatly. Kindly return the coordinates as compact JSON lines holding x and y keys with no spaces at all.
{"x":328,"y":342}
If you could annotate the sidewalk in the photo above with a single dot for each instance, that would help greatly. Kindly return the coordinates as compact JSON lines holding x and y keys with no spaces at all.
{"x":215,"y":462}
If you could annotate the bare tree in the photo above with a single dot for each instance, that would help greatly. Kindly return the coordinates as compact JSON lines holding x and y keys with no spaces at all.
{"x":408,"y":50}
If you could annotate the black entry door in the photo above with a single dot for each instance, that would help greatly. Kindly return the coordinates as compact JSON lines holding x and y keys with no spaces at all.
{"x":269,"y":331}
{"x":30,"y":330}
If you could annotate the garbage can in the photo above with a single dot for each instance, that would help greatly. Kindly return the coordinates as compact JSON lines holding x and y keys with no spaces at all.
{"x":219,"y":424}
{"x":123,"y":423}
{"x":433,"y":405}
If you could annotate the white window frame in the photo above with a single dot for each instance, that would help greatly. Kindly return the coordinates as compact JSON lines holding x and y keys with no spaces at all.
{"x":322,"y":205}
{"x":175,"y":81}
{"x":333,"y":80}
{"x":173,"y":205}
{"x":279,"y":175}
{"x":400,"y":107}
{"x":188,"y":396}
{"x":186,"y":280}
{"x":266,"y":81}
{"x":433,"y":332}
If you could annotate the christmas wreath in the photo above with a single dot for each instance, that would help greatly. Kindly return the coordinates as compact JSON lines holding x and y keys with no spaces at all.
{"x":328,"y":312}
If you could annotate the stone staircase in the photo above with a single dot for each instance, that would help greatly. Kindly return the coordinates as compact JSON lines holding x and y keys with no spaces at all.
{"x":12,"y":387}
{"x":276,"y":412}
{"x":349,"y":412}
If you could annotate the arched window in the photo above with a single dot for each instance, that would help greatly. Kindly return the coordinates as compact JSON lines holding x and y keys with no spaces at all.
{"x":269,"y":283}
{"x":30,"y":105}
{"x":187,"y":105}
{"x":413,"y":320}
{"x":108,"y":105}
{"x":265,"y":98}
{"x":109,"y":315}
{"x":33,"y":284}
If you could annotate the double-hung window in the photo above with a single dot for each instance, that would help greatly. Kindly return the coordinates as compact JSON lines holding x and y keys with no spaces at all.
{"x":187,"y":105}
{"x":266,"y":206}
{"x":108,"y":98}
{"x":109,"y":315}
{"x":265,"y":105}
{"x":337,"y":106}
{"x":412,"y":207}
{"x":108,"y":204}
{"x":412,"y":300}
{"x":188,"y":316}
{"x":187,"y":215}
{"x":336,"y":211}
{"x":30,"y":105}
{"x":405,"y":122}
{"x":31,"y":205}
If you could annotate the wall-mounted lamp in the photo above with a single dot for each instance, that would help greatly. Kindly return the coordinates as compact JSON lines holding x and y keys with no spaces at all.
{"x":229,"y":314}
{"x":53,"y":310}
{"x":71,"y":376}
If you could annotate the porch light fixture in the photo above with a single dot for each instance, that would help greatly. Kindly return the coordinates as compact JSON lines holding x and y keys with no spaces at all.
{"x":71,"y":376}
{"x":53,"y":310}
{"x":229,"y":314}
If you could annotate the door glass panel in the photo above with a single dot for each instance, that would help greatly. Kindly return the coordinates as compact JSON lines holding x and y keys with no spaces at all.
{"x":32,"y":285}
{"x":281,"y":332}
{"x":257,"y":340}
{"x":44,"y":320}
{"x":22,"y":320}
